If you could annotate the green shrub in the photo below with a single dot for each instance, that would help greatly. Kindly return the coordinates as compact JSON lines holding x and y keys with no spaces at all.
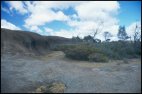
{"x":119,"y":49}
{"x":80,"y":51}
{"x":113,"y":50}
{"x":97,"y":57}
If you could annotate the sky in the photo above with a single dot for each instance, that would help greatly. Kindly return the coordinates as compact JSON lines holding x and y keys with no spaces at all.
{"x":71,"y":18}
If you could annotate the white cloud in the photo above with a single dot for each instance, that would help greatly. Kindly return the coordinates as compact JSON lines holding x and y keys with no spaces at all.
{"x":44,"y":14}
{"x":95,"y":10}
{"x":132,"y":27}
{"x":8,"y":25}
{"x":114,"y":38}
{"x":91,"y":14}
{"x":57,"y":4}
{"x":42,"y":17}
{"x":48,"y":30}
{"x":88,"y":13}
{"x":34,"y":28}
{"x":84,"y":22}
{"x":63,"y":33}
{"x":18,"y":6}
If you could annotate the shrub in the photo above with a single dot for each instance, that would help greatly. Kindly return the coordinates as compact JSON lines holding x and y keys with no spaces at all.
{"x":80,"y":51}
{"x":97,"y":57}
{"x":119,"y":49}
{"x":113,"y":50}
{"x":77,"y":54}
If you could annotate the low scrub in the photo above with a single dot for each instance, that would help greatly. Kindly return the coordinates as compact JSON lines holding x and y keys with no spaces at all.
{"x":101,"y":52}
{"x":119,"y":50}
{"x":82,"y":52}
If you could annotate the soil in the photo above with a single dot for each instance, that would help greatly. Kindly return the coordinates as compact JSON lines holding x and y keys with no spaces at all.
{"x":23,"y":74}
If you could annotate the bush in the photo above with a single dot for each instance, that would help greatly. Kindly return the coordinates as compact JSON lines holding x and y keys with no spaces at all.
{"x":77,"y":54}
{"x":119,"y":49}
{"x":80,"y":51}
{"x":97,"y":57}
{"x":113,"y":50}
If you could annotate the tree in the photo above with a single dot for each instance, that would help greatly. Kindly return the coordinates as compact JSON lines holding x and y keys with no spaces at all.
{"x":107,"y":35}
{"x":89,"y":38}
{"x":76,"y":39}
{"x":137,"y":38}
{"x":98,"y":29}
{"x":137,"y":35}
{"x":122,"y":35}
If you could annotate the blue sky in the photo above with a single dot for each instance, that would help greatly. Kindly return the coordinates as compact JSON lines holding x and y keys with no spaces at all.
{"x":69,"y":19}
{"x":130,"y":11}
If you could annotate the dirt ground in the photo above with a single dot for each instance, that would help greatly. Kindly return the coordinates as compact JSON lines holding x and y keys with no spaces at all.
{"x":26,"y":74}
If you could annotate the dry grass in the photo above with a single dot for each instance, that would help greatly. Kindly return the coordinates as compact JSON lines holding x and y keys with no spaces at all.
{"x":41,"y":89}
{"x":57,"y":87}
{"x":52,"y":55}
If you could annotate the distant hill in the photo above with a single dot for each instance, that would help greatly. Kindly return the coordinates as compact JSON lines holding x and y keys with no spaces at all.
{"x":24,"y":42}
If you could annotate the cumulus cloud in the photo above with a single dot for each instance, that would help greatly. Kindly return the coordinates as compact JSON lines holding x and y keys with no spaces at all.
{"x":85,"y":20}
{"x":41,"y":17}
{"x":18,"y":6}
{"x":44,"y":13}
{"x":34,"y":28}
{"x":63,"y":33}
{"x":48,"y":30}
{"x":8,"y":25}
{"x":57,"y":4}
{"x":131,"y":29}
{"x":95,"y":10}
